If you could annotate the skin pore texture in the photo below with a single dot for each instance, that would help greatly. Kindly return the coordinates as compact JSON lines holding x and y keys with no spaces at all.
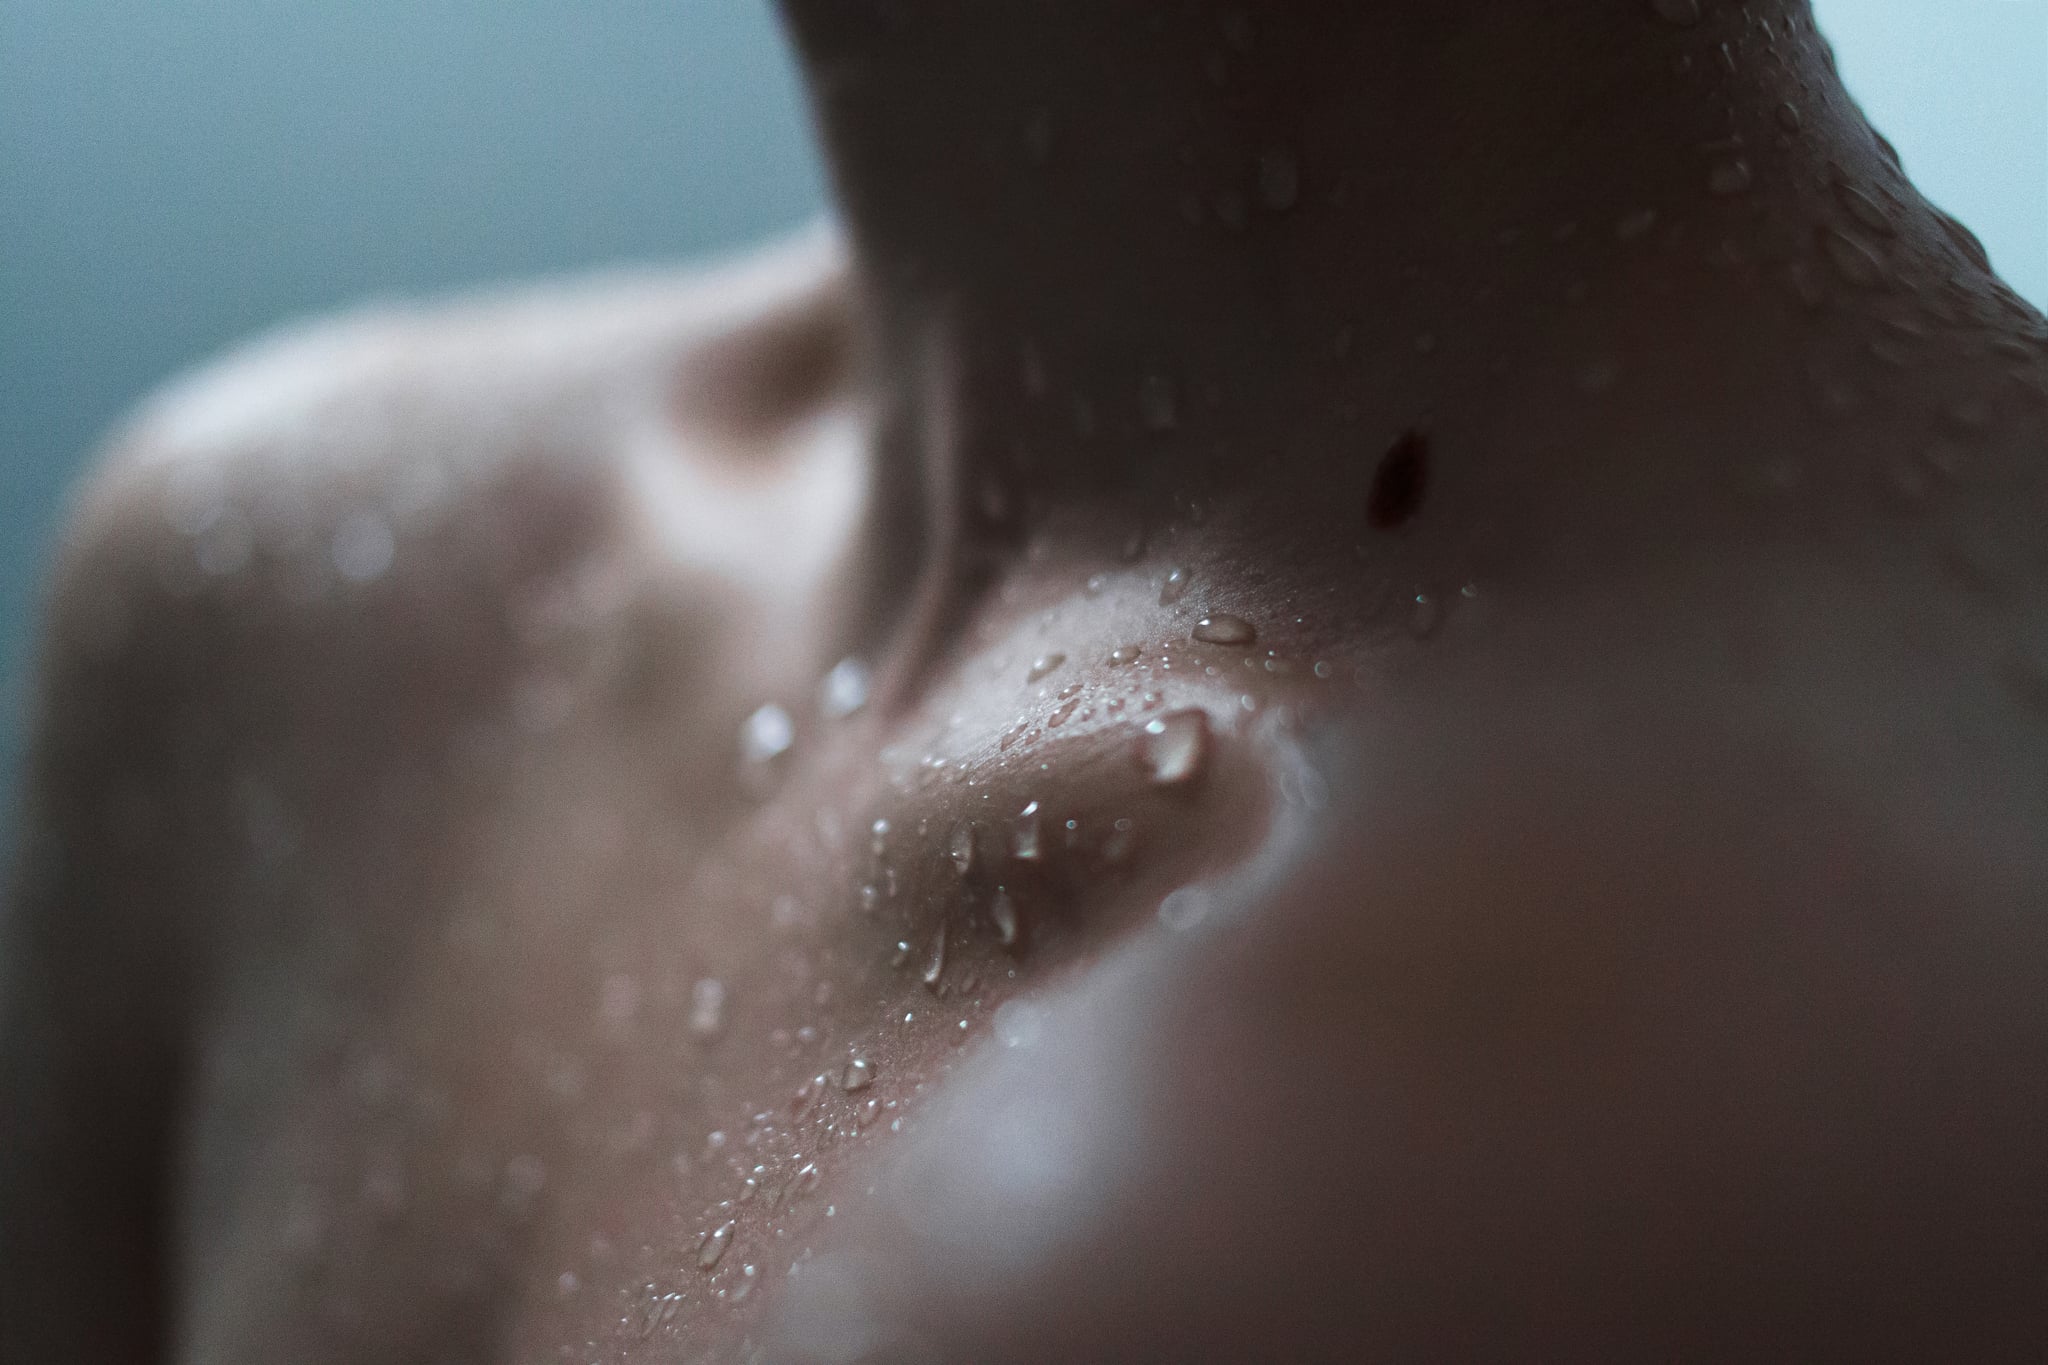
{"x":1343,"y":681}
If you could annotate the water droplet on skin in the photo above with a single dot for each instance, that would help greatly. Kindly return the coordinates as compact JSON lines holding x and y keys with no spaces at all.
{"x":1044,"y":664}
{"x":1907,"y":484}
{"x":858,"y":1076}
{"x":1279,"y":179}
{"x":1728,"y":177}
{"x":362,"y":547}
{"x":712,"y":1249}
{"x":1124,"y":654}
{"x":1425,"y":615}
{"x":1174,"y":588}
{"x":1964,"y":241}
{"x":870,"y":898}
{"x":960,"y":848}
{"x":1806,"y":285}
{"x":1019,"y":1023}
{"x":225,"y":547}
{"x":844,"y":690}
{"x":1853,"y":259}
{"x":935,"y":960}
{"x":878,"y":838}
{"x":1973,"y":416}
{"x":1235,"y":24}
{"x":767,"y":735}
{"x":1599,"y":376}
{"x":1025,"y":839}
{"x":1158,"y":405}
{"x":707,"y":1008}
{"x":1789,"y":118}
{"x":1038,"y":136}
{"x":1174,"y":748}
{"x":1684,"y":13}
{"x":1636,"y":225}
{"x":1183,"y":909}
{"x":1002,"y":912}
{"x":1224,"y":629}
{"x":1867,"y":212}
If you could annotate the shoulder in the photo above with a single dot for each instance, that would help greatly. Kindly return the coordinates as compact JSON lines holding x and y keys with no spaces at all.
{"x":304,"y":576}
{"x":383,"y":489}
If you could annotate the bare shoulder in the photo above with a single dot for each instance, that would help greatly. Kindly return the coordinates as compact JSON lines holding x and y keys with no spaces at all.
{"x":313,"y":605}
{"x":380,"y":514}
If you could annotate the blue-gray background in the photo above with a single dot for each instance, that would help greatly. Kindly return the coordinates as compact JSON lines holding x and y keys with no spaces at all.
{"x":176,"y":173}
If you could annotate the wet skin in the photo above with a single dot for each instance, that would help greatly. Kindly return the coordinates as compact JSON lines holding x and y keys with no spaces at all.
{"x":1580,"y":898}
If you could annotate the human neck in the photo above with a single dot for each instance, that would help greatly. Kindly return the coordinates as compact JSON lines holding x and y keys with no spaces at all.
{"x":1112,"y":244}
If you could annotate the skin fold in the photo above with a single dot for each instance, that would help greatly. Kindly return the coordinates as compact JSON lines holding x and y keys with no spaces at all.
{"x":1335,"y":682}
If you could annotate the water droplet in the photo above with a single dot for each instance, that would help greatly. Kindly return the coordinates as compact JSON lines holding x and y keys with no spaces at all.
{"x":1636,"y":225}
{"x":1323,"y":669}
{"x":1974,"y":416}
{"x":1399,"y":482}
{"x":1907,"y":483}
{"x":225,"y":547}
{"x":1732,"y":176}
{"x":1042,"y":665}
{"x":1279,"y":179}
{"x":878,"y":838}
{"x":1174,"y":588}
{"x":1158,"y":405}
{"x":1124,"y":654}
{"x":858,"y":1076}
{"x":1002,"y":912}
{"x":707,"y":1008}
{"x":1224,"y":629}
{"x":1025,"y":839}
{"x":767,"y":735}
{"x":960,"y":848}
{"x":1038,"y":136}
{"x":1789,"y":118}
{"x":935,"y":959}
{"x":1684,"y":13}
{"x":845,"y":689}
{"x":1183,"y":909}
{"x":712,"y":1249}
{"x":362,"y":547}
{"x":1599,"y":375}
{"x":1853,"y":259}
{"x":1019,"y":1023}
{"x":1865,"y":210}
{"x":1425,"y":615}
{"x":1174,"y":748}
{"x":1964,"y":241}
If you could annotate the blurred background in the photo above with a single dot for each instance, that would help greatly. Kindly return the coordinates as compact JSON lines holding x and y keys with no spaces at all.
{"x":175,"y":174}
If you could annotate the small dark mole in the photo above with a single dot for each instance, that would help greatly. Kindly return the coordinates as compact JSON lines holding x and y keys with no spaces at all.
{"x":1399,"y":483}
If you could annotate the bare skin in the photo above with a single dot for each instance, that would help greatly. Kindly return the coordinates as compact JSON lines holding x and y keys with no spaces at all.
{"x":1595,"y":912}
